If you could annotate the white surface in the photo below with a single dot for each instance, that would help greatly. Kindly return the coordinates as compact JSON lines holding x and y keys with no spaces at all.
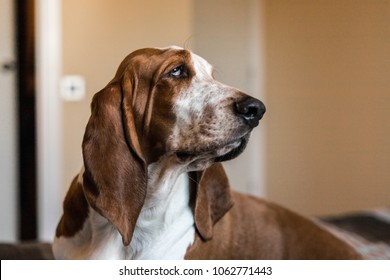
{"x":72,"y":88}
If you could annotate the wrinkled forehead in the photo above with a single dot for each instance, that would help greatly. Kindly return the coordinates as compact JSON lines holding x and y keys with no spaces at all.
{"x":201,"y":66}
{"x":161,"y":59}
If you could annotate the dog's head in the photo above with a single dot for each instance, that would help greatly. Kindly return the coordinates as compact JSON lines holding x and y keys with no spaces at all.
{"x":161,"y":102}
{"x":212,"y":121}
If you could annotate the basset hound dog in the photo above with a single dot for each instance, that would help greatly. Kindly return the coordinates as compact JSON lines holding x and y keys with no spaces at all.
{"x":152,"y":185}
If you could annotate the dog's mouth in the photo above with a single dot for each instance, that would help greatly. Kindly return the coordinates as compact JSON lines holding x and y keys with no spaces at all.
{"x":235,"y":151}
{"x":224,"y":152}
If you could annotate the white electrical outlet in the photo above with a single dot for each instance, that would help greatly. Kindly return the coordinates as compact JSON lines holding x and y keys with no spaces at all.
{"x":72,"y":88}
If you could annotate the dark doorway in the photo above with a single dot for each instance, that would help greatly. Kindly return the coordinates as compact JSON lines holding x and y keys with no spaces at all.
{"x":25,"y":21}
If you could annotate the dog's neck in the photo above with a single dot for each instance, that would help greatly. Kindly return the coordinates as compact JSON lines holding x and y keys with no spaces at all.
{"x":164,"y":229}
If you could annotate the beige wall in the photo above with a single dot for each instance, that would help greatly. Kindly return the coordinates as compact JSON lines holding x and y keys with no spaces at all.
{"x":328,"y":100}
{"x":8,"y":125}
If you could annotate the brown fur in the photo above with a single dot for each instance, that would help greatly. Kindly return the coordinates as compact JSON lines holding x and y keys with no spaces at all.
{"x":75,"y":211}
{"x":256,"y":229}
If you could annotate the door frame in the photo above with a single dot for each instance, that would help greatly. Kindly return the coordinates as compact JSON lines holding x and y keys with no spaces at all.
{"x":49,"y":115}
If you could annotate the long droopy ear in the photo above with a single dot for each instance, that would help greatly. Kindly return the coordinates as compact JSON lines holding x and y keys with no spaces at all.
{"x":213,"y":198}
{"x":115,"y":175}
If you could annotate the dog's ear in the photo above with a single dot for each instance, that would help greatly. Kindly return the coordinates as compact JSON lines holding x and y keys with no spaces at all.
{"x":213,"y":198}
{"x":115,"y":176}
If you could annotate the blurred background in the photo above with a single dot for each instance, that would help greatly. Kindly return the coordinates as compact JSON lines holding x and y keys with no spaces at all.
{"x":321,"y":67}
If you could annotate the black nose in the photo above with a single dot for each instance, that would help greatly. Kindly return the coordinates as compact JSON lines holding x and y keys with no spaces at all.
{"x":251,"y":110}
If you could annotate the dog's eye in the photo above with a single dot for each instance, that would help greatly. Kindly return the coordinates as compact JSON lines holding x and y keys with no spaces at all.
{"x":178,"y":72}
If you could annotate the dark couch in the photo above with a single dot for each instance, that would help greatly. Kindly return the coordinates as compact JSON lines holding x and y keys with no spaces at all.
{"x":26,"y":251}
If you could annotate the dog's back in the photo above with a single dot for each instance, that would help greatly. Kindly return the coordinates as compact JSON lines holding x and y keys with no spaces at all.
{"x":257,"y":229}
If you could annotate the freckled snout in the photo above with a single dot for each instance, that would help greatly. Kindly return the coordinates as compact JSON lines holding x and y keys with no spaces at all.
{"x":251,"y":110}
